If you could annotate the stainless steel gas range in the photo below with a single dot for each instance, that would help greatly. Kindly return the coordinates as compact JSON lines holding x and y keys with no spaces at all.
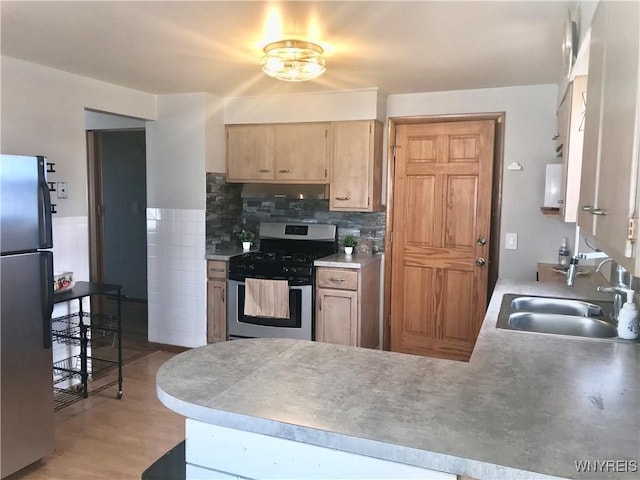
{"x":287,"y":252}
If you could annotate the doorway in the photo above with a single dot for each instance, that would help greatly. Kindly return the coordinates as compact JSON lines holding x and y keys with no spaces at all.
{"x":117,"y":221}
{"x":442,"y":232}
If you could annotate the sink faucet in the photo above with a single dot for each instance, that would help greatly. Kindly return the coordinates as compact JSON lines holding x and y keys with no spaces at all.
{"x":623,"y":284}
{"x":577,"y":256}
{"x":573,"y":266}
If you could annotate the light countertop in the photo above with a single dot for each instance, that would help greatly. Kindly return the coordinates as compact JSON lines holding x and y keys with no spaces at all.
{"x":587,"y":275}
{"x":526,"y":405}
{"x":224,"y":254}
{"x":340,"y":260}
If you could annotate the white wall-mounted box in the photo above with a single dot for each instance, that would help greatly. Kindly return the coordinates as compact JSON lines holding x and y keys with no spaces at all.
{"x":552,"y":185}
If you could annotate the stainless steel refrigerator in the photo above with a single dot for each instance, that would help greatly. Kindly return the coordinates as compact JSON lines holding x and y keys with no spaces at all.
{"x":26,"y":304}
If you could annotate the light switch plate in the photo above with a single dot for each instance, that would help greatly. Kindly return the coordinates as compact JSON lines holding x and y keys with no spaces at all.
{"x":61,"y":188}
{"x":511,"y":241}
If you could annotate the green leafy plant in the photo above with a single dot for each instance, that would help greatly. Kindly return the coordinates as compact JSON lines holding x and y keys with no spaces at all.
{"x":349,"y":241}
{"x":246,"y":235}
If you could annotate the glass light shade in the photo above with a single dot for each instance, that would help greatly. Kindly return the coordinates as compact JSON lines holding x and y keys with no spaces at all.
{"x":293,"y":60}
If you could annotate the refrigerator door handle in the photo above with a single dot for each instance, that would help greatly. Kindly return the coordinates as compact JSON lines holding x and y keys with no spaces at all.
{"x":46,"y":276}
{"x":44,"y":217}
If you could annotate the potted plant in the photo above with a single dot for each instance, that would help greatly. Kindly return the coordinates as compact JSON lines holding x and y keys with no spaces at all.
{"x":349,"y":241}
{"x":246,"y":237}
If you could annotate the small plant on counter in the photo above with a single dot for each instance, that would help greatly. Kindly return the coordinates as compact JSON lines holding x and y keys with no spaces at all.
{"x":349,"y":241}
{"x":246,"y":235}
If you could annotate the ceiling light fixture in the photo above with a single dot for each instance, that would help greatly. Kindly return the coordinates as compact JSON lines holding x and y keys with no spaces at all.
{"x":293,"y":60}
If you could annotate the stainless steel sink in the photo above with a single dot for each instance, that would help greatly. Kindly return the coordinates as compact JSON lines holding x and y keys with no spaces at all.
{"x":562,"y":306}
{"x":560,"y":316}
{"x":562,"y":324}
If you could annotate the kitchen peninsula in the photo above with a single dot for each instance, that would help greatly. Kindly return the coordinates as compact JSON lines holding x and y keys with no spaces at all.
{"x":525,"y":406}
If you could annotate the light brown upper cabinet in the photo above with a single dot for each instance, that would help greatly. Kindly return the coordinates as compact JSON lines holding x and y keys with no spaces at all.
{"x":278,"y":153}
{"x":302,"y":152}
{"x":250,"y":153}
{"x":609,"y":187}
{"x":571,"y":123}
{"x":356,"y":170}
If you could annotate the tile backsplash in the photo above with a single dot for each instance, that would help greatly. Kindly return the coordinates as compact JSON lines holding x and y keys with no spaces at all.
{"x":224,"y":211}
{"x":227,"y":213}
{"x":368,"y":228}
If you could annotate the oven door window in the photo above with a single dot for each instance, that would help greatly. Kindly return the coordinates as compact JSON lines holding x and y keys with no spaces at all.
{"x":295,"y":312}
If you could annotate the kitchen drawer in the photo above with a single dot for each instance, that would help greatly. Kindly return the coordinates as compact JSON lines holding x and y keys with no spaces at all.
{"x":216,"y":269}
{"x":336,"y":278}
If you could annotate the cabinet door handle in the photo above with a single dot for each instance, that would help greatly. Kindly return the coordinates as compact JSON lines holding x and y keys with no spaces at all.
{"x":224,"y":294}
{"x":586,"y":208}
{"x":319,"y":303}
{"x":284,"y":171}
{"x":598,"y":211}
{"x":264,"y":170}
{"x":217,"y":269}
{"x":555,"y":137}
{"x":336,"y":279}
{"x":343,"y":198}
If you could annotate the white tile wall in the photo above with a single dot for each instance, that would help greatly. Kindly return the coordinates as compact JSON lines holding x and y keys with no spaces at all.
{"x":177,"y":276}
{"x":70,"y":254}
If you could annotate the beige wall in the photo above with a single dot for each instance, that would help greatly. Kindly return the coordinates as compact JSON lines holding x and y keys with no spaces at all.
{"x":177,"y":148}
{"x":43,"y":113}
{"x":362,"y":104}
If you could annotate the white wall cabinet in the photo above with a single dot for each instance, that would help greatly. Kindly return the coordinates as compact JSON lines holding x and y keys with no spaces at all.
{"x":569,"y":145}
{"x":608,"y":206}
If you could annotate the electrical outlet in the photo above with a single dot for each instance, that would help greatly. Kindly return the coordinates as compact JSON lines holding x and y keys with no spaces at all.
{"x":61,"y":188}
{"x":511,"y":241}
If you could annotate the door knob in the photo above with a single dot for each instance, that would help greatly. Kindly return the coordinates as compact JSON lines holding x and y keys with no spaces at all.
{"x":481,"y":241}
{"x":480,"y":262}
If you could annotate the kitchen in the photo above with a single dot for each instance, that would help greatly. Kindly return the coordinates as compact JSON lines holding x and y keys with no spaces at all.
{"x":530,"y":116}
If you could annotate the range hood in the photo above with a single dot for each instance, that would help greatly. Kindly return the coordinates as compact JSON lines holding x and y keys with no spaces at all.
{"x":288,"y":191}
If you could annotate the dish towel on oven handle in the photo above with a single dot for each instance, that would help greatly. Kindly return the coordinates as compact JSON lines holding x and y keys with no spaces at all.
{"x":266,"y":298}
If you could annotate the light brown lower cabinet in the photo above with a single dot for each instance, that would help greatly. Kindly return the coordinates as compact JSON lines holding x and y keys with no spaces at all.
{"x":216,"y":301}
{"x":347,"y":306}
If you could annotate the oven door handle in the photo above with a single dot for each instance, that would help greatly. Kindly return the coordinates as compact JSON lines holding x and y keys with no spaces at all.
{"x":291,"y":287}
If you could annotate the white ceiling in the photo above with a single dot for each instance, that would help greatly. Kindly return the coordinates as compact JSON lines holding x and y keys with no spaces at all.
{"x":215,"y":47}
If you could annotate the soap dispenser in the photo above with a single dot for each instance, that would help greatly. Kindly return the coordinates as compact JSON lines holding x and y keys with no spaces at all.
{"x":628,"y":318}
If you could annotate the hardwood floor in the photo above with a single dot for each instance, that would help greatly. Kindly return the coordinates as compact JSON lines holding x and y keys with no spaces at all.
{"x":105,"y":438}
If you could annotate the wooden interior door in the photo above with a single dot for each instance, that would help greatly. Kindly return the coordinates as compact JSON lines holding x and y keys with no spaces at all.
{"x":441,"y":230}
